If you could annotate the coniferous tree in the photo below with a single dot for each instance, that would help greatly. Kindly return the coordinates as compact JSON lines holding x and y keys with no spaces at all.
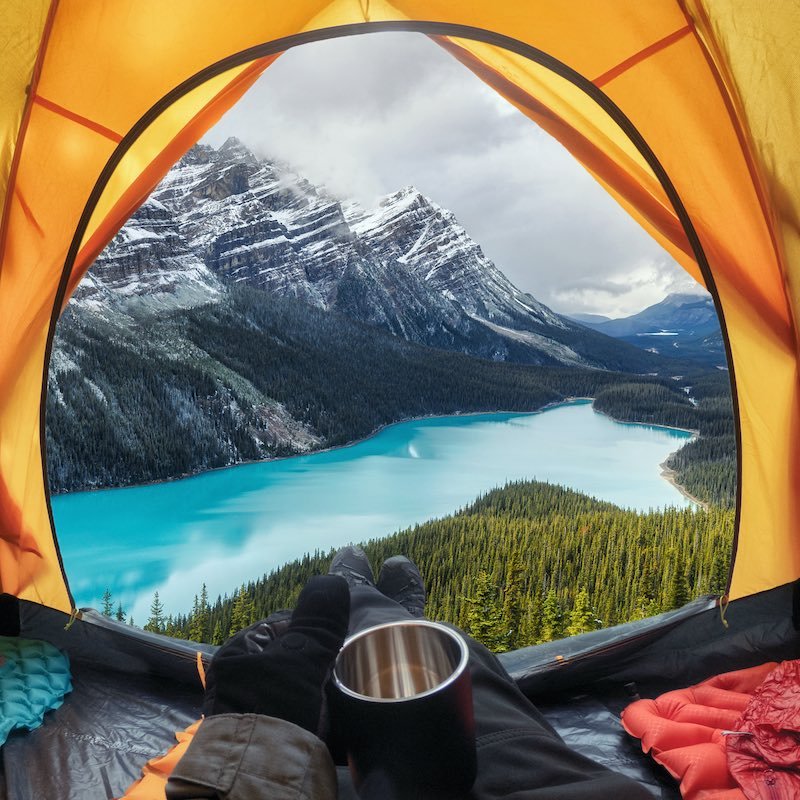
{"x":719,"y":573}
{"x":157,"y":622}
{"x":531,"y":621}
{"x":120,"y":614}
{"x":582,"y":617}
{"x":678,"y":593}
{"x":643,"y":608}
{"x":483,"y":615}
{"x":200,"y":617}
{"x":243,"y":612}
{"x":220,"y":634}
{"x":552,"y":625}
{"x":108,"y":605}
{"x":513,"y":603}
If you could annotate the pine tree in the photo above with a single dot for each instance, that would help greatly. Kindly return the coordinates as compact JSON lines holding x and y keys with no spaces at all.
{"x":513,"y":604}
{"x":220,"y":634}
{"x":582,"y":617}
{"x":719,"y":573}
{"x":552,"y":625}
{"x":243,"y":612}
{"x":531,"y":622}
{"x":108,"y":605}
{"x":200,"y":618}
{"x":643,"y":608}
{"x":156,"y":623}
{"x":120,"y":615}
{"x":678,"y":591}
{"x":483,"y":616}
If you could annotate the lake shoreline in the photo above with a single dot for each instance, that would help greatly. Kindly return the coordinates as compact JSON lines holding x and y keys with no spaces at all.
{"x":567,"y":401}
{"x":667,"y":473}
{"x":670,"y":476}
{"x":380,"y":429}
{"x":215,"y":531}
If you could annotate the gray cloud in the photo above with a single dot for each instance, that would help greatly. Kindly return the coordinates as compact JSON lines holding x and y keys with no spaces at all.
{"x":368,"y":115}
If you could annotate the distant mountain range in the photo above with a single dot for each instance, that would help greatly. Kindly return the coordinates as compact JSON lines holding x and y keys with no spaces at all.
{"x":681,"y":325}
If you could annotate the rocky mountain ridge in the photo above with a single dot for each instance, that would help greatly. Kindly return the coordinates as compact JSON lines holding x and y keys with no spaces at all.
{"x":243,"y":313}
{"x":223,"y":216}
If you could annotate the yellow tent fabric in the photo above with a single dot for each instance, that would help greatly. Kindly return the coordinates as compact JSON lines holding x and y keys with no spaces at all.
{"x":99,"y":98}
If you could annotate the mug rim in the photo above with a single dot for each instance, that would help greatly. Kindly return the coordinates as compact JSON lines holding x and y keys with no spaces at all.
{"x":458,"y":670}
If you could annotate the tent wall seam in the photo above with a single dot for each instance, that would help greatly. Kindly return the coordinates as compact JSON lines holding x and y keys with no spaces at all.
{"x":642,"y":55}
{"x":77,"y":118}
{"x":23,"y":126}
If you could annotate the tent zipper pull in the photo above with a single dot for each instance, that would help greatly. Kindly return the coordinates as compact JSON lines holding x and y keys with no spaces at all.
{"x":73,"y":615}
{"x":723,"y":609}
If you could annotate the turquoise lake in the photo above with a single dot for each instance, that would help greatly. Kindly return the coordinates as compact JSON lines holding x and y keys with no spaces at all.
{"x":228,"y":526}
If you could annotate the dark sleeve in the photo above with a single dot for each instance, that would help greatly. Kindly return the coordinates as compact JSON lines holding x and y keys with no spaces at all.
{"x":253,"y":757}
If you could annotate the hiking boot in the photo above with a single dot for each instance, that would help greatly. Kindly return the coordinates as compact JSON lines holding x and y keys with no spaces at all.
{"x":352,"y":564}
{"x":400,"y":581}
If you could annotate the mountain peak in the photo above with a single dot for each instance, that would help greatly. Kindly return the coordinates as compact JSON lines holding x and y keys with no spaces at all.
{"x":406,"y":265}
{"x":407,"y":197}
{"x":685,"y":298}
{"x":233,"y":144}
{"x":233,"y":149}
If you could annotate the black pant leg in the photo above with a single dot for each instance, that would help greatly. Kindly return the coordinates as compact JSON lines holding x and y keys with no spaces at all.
{"x":520,"y":756}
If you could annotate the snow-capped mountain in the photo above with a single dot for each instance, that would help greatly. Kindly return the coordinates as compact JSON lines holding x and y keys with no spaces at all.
{"x":223,"y":215}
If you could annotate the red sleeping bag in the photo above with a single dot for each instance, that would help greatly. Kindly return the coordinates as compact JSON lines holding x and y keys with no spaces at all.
{"x":735,"y":736}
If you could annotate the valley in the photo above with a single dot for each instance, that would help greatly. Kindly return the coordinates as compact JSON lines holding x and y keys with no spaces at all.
{"x":244,"y":314}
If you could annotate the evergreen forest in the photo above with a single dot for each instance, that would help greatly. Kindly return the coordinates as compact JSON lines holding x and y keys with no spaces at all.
{"x":523,"y":564}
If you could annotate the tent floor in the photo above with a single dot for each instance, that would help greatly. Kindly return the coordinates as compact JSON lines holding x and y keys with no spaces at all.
{"x":133,"y":690}
{"x":94,"y":746}
{"x":591,"y":726}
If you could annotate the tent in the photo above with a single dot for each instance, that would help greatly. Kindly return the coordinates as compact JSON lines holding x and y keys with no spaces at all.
{"x":684,"y":110}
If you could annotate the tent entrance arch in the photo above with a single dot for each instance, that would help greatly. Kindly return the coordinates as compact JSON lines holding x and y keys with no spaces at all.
{"x":256,"y":56}
{"x":709,"y":144}
{"x":79,"y":85}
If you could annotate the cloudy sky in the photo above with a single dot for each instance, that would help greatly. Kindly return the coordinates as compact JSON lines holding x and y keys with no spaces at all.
{"x":367,"y":115}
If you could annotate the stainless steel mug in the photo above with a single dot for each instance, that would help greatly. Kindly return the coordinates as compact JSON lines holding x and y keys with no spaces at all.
{"x":402,"y":705}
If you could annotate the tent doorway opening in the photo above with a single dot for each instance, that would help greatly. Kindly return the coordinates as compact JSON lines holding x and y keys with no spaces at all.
{"x":709,"y":140}
{"x":177,"y":415}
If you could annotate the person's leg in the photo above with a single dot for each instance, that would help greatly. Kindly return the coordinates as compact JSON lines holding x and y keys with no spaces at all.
{"x":520,"y":756}
{"x":368,"y":605}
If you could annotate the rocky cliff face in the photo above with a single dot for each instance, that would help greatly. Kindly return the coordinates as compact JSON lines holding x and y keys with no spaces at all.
{"x":147,"y":266}
{"x":224,"y":216}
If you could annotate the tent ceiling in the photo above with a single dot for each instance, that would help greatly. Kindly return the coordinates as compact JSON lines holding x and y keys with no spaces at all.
{"x":711,"y":98}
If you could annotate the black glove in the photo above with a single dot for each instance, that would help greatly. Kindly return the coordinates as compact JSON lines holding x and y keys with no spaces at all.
{"x":284,"y":677}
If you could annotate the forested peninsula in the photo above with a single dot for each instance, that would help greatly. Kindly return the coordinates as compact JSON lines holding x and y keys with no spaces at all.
{"x":523,"y":564}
